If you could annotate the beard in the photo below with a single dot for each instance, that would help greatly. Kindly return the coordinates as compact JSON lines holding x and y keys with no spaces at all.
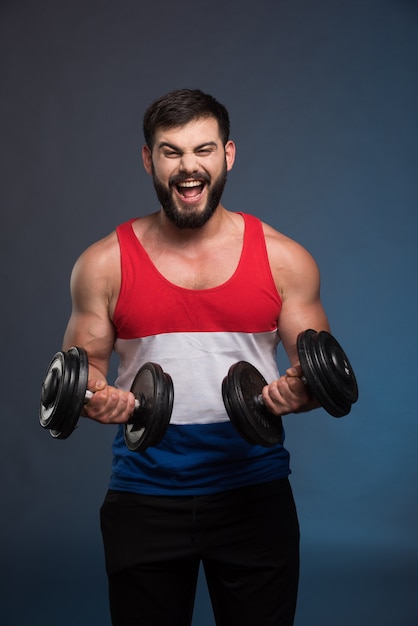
{"x":190,"y":218}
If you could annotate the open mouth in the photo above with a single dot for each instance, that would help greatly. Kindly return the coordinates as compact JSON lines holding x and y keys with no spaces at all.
{"x":190,"y":189}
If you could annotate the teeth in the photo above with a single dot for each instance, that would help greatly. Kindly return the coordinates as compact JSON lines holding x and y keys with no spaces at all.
{"x":190,"y":183}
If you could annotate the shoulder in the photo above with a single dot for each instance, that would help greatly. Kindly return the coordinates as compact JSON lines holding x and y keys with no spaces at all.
{"x":291,"y":264}
{"x":100,"y":253}
{"x":98,"y":267}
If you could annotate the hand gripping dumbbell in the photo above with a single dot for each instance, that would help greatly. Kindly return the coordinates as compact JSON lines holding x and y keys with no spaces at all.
{"x":326,"y":371}
{"x":64,"y":392}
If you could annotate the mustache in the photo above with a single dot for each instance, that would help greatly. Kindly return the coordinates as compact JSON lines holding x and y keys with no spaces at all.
{"x":180,"y":178}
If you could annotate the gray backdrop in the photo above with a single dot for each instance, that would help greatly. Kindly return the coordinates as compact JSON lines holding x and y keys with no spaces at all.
{"x":323,"y":101}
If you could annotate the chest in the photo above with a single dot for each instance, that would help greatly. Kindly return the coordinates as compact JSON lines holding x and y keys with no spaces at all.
{"x":223,"y":287}
{"x":202,"y":269}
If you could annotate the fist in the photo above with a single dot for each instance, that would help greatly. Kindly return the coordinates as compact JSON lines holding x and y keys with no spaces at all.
{"x":288,"y":394}
{"x":108,"y":405}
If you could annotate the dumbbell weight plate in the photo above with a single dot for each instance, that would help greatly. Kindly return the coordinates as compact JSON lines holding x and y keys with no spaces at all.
{"x":327,"y":371}
{"x":63,"y":392}
{"x":77,"y":387}
{"x":340,"y":373}
{"x":155,"y":392}
{"x":52,"y":389}
{"x":325,"y":393}
{"x":240,"y":391}
{"x":331,"y":391}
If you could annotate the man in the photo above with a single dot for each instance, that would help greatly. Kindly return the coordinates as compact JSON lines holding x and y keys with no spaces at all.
{"x":196,"y":288}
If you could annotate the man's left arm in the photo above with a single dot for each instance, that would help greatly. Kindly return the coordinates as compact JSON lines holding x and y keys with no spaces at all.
{"x":298,"y":281}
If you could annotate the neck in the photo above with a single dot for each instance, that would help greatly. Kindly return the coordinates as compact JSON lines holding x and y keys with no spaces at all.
{"x":173,"y":235}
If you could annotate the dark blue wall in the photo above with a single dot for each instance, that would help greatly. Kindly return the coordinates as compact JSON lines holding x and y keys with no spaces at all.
{"x":323,"y":100}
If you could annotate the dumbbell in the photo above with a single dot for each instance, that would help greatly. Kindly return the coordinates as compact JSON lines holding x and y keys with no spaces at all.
{"x":64,"y":392}
{"x":326,"y":371}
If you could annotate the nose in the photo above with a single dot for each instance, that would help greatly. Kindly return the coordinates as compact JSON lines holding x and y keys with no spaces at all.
{"x":188,"y":162}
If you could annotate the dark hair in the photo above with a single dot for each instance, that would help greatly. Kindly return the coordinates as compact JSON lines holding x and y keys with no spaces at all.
{"x":180,"y":107}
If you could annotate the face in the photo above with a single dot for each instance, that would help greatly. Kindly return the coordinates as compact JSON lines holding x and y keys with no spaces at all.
{"x":189,"y":166}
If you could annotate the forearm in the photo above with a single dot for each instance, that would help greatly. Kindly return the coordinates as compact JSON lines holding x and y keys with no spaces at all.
{"x":108,"y":404}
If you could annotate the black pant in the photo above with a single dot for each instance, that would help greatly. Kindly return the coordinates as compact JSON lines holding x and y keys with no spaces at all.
{"x":247,"y":540}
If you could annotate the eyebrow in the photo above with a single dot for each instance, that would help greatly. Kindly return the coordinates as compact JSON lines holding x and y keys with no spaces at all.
{"x":207,"y":144}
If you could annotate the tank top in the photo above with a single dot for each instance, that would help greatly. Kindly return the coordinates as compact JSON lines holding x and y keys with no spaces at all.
{"x":196,"y":335}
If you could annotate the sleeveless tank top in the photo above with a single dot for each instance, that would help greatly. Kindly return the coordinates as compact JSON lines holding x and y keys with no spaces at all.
{"x":196,"y":335}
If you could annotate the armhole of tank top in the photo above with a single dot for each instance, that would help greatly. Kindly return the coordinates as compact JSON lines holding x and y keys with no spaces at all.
{"x":254,"y":226}
{"x":123,"y":235}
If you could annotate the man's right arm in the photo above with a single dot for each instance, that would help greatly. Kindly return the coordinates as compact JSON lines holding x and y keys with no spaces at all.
{"x":95,"y":282}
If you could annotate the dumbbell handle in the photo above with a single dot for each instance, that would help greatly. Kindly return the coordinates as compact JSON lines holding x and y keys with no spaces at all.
{"x":90,"y":394}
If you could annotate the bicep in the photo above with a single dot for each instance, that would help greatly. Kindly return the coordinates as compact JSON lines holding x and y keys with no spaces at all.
{"x":297,"y":317}
{"x":90,"y":326}
{"x":301,"y":302}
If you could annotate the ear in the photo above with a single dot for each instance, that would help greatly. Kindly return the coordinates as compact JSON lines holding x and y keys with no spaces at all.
{"x":230,"y":150}
{"x":147,"y":159}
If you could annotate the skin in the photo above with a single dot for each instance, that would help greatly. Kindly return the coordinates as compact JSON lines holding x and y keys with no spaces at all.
{"x":195,"y":258}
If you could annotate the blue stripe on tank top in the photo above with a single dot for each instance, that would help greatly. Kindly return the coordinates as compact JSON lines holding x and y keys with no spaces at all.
{"x":196,"y":459}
